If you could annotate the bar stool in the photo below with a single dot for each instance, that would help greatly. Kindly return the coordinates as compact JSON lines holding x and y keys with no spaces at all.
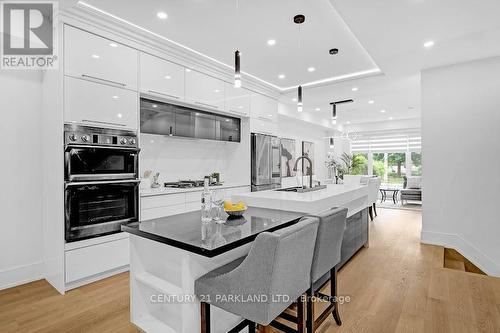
{"x":332,"y":224}
{"x":279,"y":263}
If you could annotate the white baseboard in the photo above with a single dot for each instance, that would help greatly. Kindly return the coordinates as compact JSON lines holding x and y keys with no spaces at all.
{"x":97,"y":277}
{"x":465,"y":248}
{"x":21,"y":274}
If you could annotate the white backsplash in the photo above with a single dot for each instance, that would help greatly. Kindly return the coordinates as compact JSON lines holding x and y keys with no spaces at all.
{"x":178,"y":158}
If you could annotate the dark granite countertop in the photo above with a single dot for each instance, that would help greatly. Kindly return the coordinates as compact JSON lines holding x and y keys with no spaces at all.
{"x":187,"y":232}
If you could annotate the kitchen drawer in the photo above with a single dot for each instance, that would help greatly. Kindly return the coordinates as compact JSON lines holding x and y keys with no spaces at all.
{"x":154,"y":213}
{"x":263,"y":126}
{"x":96,"y":259}
{"x":194,"y":197}
{"x":96,"y":58}
{"x":97,"y":104}
{"x":162,"y":200}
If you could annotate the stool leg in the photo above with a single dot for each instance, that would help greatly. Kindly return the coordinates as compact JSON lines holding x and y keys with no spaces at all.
{"x":310,"y":310}
{"x":370,"y":211}
{"x":251,"y":327}
{"x":333,"y":293}
{"x":301,"y":316}
{"x":205,"y":317}
{"x":375,"y":209}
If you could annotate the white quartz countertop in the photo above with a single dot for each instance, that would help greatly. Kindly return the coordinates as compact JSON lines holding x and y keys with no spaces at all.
{"x":146,"y":192}
{"x":353,"y":196}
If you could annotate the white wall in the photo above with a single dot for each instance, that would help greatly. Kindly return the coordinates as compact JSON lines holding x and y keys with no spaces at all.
{"x":461,"y":160}
{"x":177,"y":158}
{"x":21,"y":199}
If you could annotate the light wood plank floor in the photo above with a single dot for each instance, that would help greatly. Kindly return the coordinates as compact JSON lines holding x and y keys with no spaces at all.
{"x":396,"y":285}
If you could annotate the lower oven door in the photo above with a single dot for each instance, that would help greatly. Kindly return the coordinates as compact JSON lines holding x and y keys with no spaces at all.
{"x":99,"y":208}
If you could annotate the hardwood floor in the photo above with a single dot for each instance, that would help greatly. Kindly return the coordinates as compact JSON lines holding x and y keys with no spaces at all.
{"x":396,"y":285}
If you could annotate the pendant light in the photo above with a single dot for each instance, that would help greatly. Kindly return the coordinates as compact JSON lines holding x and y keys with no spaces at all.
{"x":299,"y":99}
{"x":237,"y":73}
{"x":299,"y":19}
{"x":334,"y":108}
{"x":331,"y":143}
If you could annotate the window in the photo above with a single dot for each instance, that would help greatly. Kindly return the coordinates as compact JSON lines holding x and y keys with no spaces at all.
{"x":416,"y":164}
{"x":359,"y":164}
{"x":379,"y":165}
{"x":396,"y":167}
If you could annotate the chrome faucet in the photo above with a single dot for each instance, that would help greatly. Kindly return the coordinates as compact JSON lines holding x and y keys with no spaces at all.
{"x":310,"y":163}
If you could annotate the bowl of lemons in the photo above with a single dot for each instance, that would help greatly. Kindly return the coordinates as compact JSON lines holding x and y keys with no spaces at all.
{"x":237,"y":209}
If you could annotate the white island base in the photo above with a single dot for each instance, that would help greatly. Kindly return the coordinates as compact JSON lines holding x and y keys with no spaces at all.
{"x":158,"y":270}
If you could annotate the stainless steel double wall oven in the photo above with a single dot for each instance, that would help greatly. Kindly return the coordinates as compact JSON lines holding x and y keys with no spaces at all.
{"x":101,"y":180}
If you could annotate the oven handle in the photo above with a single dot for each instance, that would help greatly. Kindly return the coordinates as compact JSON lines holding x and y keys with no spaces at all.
{"x":104,"y":182}
{"x":68,"y":147}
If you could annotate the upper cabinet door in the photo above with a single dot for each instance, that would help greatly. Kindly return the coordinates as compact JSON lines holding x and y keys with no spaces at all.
{"x":161,"y":77}
{"x":237,"y":100}
{"x":204,"y":90}
{"x":99,"y":59}
{"x":96,"y":104}
{"x":263,"y":107}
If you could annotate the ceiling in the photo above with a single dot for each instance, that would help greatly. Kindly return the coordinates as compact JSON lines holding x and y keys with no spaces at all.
{"x":372,"y":36}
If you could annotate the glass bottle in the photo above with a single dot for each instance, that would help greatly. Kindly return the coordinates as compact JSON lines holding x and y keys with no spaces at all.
{"x":206,"y":203}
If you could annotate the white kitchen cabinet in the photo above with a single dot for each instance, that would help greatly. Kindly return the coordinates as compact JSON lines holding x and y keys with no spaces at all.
{"x":204,"y":90}
{"x":263,"y":107}
{"x":237,"y":100}
{"x":96,"y":58}
{"x":97,"y":104}
{"x":161,"y":77}
{"x":88,"y":261}
{"x":264,"y":126}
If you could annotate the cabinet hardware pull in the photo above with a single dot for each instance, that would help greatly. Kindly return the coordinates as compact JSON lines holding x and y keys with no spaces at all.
{"x":265,"y":119}
{"x":159,"y":93}
{"x":103,"y":182}
{"x":102,"y":122}
{"x":205,"y":104}
{"x":103,"y":80}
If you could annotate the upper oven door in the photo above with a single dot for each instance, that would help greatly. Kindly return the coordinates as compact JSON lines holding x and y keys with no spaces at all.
{"x":87,"y":163}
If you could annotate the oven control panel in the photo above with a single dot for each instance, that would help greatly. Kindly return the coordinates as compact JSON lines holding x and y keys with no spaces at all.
{"x":86,"y":135}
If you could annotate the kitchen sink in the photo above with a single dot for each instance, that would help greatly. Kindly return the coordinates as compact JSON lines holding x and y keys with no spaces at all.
{"x":301,"y":189}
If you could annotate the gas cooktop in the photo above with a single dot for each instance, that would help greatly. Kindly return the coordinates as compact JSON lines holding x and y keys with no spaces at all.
{"x":188,"y":184}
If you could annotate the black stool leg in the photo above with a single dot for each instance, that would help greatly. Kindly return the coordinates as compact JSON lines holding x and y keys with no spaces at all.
{"x":333,"y":293}
{"x":205,"y":317}
{"x":301,"y":316}
{"x":251,"y":327}
{"x":310,"y":310}
{"x":370,"y":211}
{"x":375,"y":209}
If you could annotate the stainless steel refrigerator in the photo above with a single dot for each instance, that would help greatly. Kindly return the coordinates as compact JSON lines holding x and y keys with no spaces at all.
{"x":266,"y":162}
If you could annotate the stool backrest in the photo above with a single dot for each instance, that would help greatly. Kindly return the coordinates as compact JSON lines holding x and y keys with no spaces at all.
{"x":279,"y":263}
{"x":332,"y":224}
{"x":373,"y":189}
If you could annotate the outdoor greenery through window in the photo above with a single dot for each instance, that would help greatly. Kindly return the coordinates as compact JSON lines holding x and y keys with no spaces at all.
{"x":416,"y":164}
{"x":359,"y":164}
{"x":396,"y":163}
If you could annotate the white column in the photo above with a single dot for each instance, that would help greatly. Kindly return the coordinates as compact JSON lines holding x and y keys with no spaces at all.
{"x":386,"y":165}
{"x":370,"y":163}
{"x":408,"y":163}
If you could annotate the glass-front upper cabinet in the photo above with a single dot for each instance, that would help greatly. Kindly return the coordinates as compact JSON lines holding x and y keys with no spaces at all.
{"x":157,"y":118}
{"x":228,"y":129}
{"x":176,"y":120}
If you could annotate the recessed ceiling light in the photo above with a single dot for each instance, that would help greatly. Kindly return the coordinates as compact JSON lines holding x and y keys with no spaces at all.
{"x":95,"y":56}
{"x":162,"y":15}
{"x":311,"y":69}
{"x":113,"y":45}
{"x":390,"y":118}
{"x":317,"y":109}
{"x":294,"y":99}
{"x":188,"y":70}
{"x":355,"y":89}
{"x":119,"y":115}
{"x":115,"y":97}
{"x":240,"y":107}
{"x":168,"y":77}
{"x":429,"y":43}
{"x":216,"y":90}
{"x":154,"y":105}
{"x":271,"y":42}
{"x":371,"y":102}
{"x":348,"y":122}
{"x":281,"y":76}
{"x":382,"y":111}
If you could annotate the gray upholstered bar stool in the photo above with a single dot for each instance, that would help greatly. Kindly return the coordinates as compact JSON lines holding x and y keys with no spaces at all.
{"x":332,"y":224}
{"x":279,"y":263}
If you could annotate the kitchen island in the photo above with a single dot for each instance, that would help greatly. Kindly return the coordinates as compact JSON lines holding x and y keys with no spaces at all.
{"x":354,"y":197}
{"x":168,"y":254}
